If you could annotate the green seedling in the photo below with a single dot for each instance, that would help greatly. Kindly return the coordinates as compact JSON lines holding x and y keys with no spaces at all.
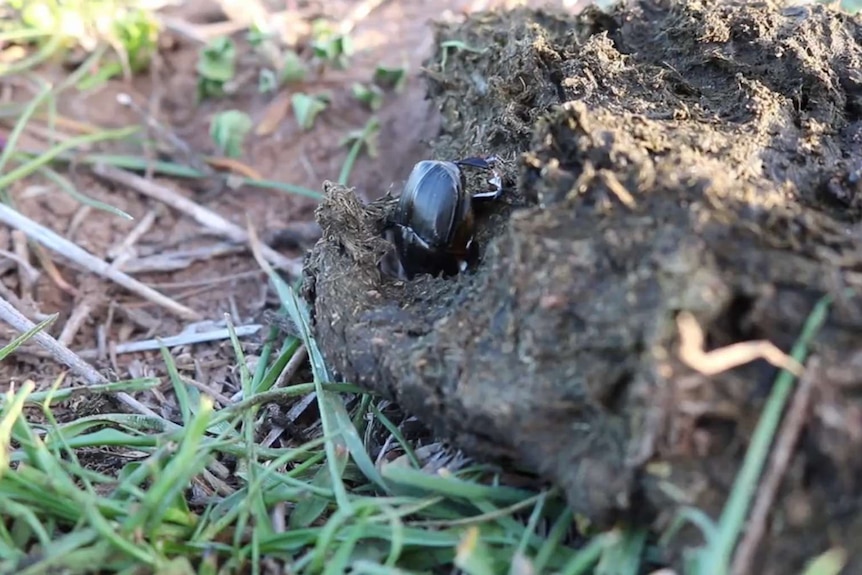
{"x":137,"y":36}
{"x":256,"y":36}
{"x":370,"y":95}
{"x":366,"y":138}
{"x":390,"y":78}
{"x":216,"y":66}
{"x":329,"y":46}
{"x":228,"y":131}
{"x":60,"y":26}
{"x":293,"y":69}
{"x":306,"y":108}
{"x":267,"y":81}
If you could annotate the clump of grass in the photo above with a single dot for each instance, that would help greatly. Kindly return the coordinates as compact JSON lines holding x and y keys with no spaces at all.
{"x":343,"y":511}
{"x":58,"y":27}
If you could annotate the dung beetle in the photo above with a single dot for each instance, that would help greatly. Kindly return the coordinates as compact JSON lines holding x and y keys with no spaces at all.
{"x":434,"y":220}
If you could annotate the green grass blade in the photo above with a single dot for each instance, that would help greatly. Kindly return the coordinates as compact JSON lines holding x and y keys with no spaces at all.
{"x":623,"y":555}
{"x":716,"y":558}
{"x":299,"y":315}
{"x":453,"y":487}
{"x":7,"y":349}
{"x":42,"y":160}
{"x":64,"y":184}
{"x":832,"y":562}
{"x":584,"y":559}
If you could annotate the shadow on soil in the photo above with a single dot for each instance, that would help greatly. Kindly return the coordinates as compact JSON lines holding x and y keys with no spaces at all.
{"x":666,"y":157}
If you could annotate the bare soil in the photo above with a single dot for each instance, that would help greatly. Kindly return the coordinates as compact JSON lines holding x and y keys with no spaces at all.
{"x":668,"y":157}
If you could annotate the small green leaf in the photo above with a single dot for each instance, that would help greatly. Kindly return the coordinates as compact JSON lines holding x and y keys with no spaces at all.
{"x":256,"y":36}
{"x":216,"y":65}
{"x":228,"y":130}
{"x":306,"y":108}
{"x":371,"y":95}
{"x":217,"y":60}
{"x":267,"y":81}
{"x":329,"y":46}
{"x":357,"y":140}
{"x":294,"y":69}
{"x":390,"y":78}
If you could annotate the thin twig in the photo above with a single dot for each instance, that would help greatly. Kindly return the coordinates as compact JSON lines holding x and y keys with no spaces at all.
{"x":203,"y":216}
{"x":79,"y":315}
{"x":176,"y":340}
{"x":22,"y":263}
{"x":53,"y":272}
{"x":123,"y":251}
{"x":66,"y":356}
{"x":181,"y":259}
{"x":782,"y":453}
{"x":219,"y":397}
{"x":27,"y":275}
{"x":84,"y":258}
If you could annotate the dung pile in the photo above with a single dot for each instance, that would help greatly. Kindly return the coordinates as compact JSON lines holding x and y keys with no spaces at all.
{"x":669,"y":157}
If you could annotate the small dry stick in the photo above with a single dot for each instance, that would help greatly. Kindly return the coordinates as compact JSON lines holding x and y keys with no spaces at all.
{"x":182,"y":259}
{"x":782,"y":453}
{"x":716,"y":361}
{"x":122,"y":251}
{"x":66,"y":356}
{"x":80,"y":314}
{"x":192,"y":338}
{"x":293,"y":365}
{"x":201,"y":215}
{"x":84,"y":258}
{"x":25,"y":270}
{"x":51,"y":269}
{"x":219,"y":397}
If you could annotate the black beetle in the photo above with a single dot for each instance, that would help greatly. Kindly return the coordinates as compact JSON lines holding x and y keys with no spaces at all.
{"x":434,"y":218}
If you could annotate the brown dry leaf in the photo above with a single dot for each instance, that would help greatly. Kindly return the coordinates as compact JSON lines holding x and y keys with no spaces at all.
{"x":234,"y":166}
{"x":273,"y":115}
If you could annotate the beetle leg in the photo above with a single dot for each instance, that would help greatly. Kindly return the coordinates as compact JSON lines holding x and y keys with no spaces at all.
{"x":495,"y":192}
{"x":476,"y":162}
{"x":485,"y":164}
{"x":411,"y":237}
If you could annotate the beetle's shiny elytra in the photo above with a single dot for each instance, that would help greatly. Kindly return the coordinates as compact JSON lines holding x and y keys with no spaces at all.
{"x":434,"y":217}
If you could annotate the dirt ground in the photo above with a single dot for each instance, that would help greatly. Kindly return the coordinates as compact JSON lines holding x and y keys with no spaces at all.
{"x":669,"y":160}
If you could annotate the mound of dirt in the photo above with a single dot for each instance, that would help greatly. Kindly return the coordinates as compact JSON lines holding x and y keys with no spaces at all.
{"x":668,"y":157}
